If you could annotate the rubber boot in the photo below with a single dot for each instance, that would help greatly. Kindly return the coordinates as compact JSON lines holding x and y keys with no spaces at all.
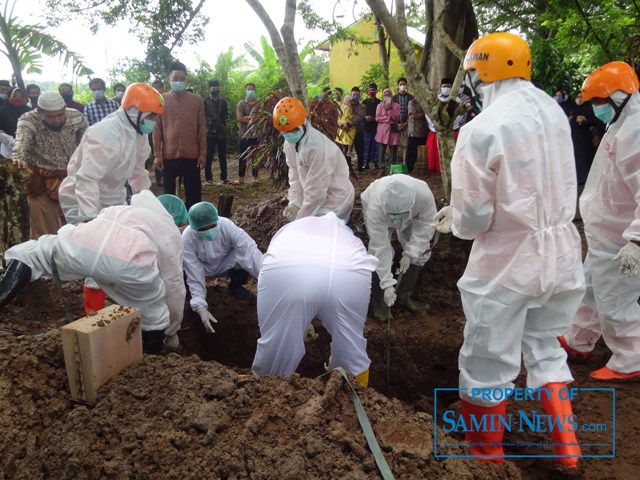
{"x":562,"y":431}
{"x":378,"y":307}
{"x":406,"y":287}
{"x":15,"y":276}
{"x":486,"y":446}
{"x":363,"y":378}
{"x":152,"y":341}
{"x":93,"y":299}
{"x":239,"y":277}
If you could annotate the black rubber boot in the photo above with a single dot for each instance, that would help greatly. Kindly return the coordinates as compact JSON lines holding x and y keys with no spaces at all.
{"x":406,"y":288}
{"x":15,"y":276}
{"x":239,"y":278}
{"x":379,"y":309}
{"x":152,"y":341}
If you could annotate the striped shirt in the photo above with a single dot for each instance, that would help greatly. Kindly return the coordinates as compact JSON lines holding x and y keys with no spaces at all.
{"x":95,"y":111}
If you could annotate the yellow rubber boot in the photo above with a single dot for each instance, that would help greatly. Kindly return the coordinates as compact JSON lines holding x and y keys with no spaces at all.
{"x":562,"y":432}
{"x":363,"y":378}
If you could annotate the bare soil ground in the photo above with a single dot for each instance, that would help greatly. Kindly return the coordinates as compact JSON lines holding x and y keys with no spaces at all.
{"x":196,"y":414}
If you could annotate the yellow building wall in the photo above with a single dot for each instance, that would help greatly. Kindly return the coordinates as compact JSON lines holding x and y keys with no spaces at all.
{"x":349,"y":61}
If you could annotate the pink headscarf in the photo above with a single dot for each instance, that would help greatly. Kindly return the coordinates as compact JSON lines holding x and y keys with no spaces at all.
{"x":387,"y":91}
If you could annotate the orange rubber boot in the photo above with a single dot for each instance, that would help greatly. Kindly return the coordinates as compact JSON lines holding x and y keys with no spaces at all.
{"x":94,"y":299}
{"x":562,"y":432}
{"x":486,"y":446}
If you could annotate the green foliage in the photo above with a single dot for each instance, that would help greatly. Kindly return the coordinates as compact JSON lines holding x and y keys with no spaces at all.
{"x":25,"y":44}
{"x":160,"y":25}
{"x":551,"y":69}
{"x":375,"y":74}
{"x":587,"y":33}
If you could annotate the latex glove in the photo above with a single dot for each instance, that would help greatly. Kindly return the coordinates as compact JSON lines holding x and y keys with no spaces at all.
{"x":310,"y":334}
{"x":389,"y":296}
{"x":207,"y":319}
{"x":405,"y":263}
{"x":172,"y":342}
{"x":629,"y":257}
{"x":290,"y":212}
{"x":443,"y":219}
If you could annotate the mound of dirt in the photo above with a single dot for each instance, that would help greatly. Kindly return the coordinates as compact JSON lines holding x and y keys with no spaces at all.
{"x":194,"y":415}
{"x":181,"y":417}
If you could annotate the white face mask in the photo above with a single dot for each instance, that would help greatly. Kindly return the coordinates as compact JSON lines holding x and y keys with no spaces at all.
{"x":387,"y":99}
{"x":445,"y":91}
{"x":402,"y":88}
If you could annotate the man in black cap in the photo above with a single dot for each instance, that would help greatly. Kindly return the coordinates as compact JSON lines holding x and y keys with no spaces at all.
{"x":216,"y":113}
{"x":370,"y":147}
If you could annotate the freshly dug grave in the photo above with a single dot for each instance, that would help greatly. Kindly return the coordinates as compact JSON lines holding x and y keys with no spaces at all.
{"x":192,"y":415}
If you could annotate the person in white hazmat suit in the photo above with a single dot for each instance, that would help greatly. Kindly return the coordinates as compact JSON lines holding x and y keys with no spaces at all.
{"x":111,"y":152}
{"x":216,"y":247}
{"x":610,"y":208}
{"x":134,"y":253}
{"x":318,"y":171}
{"x":314,"y":267}
{"x":513,"y":192}
{"x":404,"y":204}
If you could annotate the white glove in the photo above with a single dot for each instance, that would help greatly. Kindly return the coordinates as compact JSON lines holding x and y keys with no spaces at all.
{"x":310,"y":334}
{"x":207,"y":319}
{"x":389,"y":296}
{"x":443,"y":219}
{"x":405,"y":263}
{"x":172,"y":342}
{"x":629,"y":257}
{"x":290,"y":212}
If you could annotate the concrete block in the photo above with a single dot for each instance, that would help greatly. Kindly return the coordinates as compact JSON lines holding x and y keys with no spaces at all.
{"x":99,"y":347}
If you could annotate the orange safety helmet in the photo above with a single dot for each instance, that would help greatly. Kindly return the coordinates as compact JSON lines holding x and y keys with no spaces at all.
{"x":145,"y":98}
{"x":608,"y":78}
{"x":289,"y":114}
{"x":498,"y":56}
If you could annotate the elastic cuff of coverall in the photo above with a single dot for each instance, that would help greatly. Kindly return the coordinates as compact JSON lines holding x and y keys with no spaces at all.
{"x":198,"y":303}
{"x":387,"y":283}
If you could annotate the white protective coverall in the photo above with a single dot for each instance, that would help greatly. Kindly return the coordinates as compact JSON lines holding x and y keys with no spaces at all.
{"x":110,"y":153}
{"x":231,"y":248}
{"x":414,"y":232}
{"x":318,"y":176}
{"x":314,"y":267}
{"x":134,"y":253}
{"x":610,"y":208}
{"x":514,"y":193}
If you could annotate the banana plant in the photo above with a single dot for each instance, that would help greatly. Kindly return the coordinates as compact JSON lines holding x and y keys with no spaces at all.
{"x":25,"y":44}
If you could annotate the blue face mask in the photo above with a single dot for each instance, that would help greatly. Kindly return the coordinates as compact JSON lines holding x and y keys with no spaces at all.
{"x":208,"y":234}
{"x":251,"y":94}
{"x":147,"y":126}
{"x":293,"y":137}
{"x":3,"y":96}
{"x":177,"y":86}
{"x":355,"y":98}
{"x":97,"y":94}
{"x":604,"y":112}
{"x":119,"y":94}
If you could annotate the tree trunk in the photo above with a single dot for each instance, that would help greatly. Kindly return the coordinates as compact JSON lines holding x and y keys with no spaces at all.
{"x":384,"y":52}
{"x":454,"y":28}
{"x":284,"y":43}
{"x":14,"y":209}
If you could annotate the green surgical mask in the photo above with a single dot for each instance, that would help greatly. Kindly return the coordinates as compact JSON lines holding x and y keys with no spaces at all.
{"x":604,"y":112}
{"x":208,"y":234}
